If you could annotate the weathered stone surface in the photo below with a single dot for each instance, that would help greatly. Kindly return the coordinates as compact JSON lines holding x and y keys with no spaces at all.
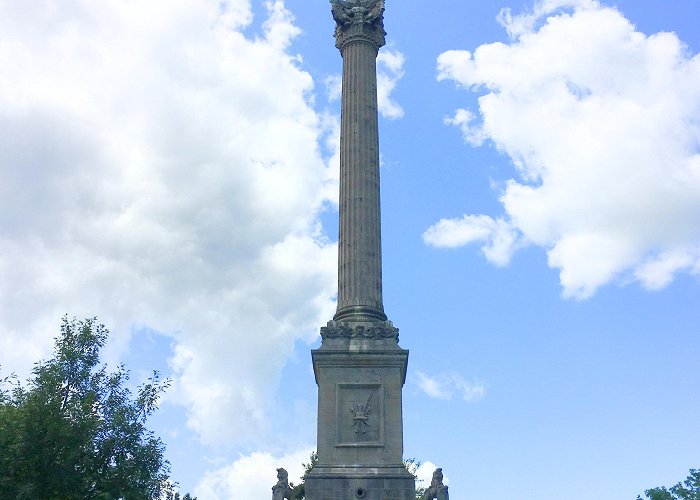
{"x":348,"y":380}
{"x":359,"y":18}
{"x":436,"y":490}
{"x":282,"y":490}
{"x":360,"y":424}
{"x":360,"y":369}
{"x":359,"y":239}
{"x":366,"y":487}
{"x":377,"y":330}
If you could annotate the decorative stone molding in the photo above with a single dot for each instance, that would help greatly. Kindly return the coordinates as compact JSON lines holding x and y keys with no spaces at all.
{"x":349,"y":330}
{"x":359,"y":20}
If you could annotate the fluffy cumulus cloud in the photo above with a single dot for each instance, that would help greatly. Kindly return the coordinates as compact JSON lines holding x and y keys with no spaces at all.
{"x":602,"y":124}
{"x":447,"y":385}
{"x":389,"y":72}
{"x":154,"y":173}
{"x":498,"y":236}
{"x":251,"y":476}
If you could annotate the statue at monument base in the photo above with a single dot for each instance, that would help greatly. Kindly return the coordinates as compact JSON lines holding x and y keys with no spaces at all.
{"x":282,"y":490}
{"x":437,"y":489}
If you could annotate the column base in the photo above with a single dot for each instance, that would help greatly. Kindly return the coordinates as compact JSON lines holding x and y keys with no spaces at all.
{"x":359,"y":313}
{"x":360,"y":483}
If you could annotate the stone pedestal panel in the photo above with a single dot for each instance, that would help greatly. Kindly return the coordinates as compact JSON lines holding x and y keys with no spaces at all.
{"x":360,"y":418}
{"x":360,"y":488}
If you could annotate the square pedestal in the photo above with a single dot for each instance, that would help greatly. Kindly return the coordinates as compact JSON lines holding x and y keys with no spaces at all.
{"x":360,"y":424}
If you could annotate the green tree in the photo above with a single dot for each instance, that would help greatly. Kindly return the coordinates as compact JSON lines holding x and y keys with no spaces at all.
{"x":412,"y":466}
{"x":300,"y":489}
{"x":76,"y":430}
{"x":687,"y":490}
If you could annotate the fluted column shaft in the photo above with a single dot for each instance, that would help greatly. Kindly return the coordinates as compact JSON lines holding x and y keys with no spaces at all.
{"x":359,"y":247}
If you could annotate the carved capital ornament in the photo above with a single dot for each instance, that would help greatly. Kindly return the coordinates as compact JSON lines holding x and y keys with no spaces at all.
{"x":359,"y":20}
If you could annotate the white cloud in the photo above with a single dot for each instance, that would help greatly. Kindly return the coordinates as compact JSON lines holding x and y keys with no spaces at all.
{"x":154,"y":173}
{"x":331,"y":123}
{"x":521,"y":24}
{"x":251,"y":476}
{"x":447,"y":385}
{"x":463,"y":119}
{"x":389,"y":72}
{"x":334,"y":87}
{"x":659,"y":272}
{"x":603,"y":126}
{"x":499,"y":237}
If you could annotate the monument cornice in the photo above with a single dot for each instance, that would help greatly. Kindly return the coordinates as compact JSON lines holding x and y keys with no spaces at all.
{"x":388,"y":356}
{"x":359,"y":471}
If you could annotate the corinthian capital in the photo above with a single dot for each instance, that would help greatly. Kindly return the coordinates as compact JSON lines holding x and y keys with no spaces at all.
{"x":358,"y":19}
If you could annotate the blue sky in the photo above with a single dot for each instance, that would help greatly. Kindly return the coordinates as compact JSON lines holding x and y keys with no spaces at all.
{"x":172,"y":169}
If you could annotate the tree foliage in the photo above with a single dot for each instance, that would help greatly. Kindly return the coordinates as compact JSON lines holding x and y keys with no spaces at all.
{"x":300,"y":489}
{"x":412,"y":465}
{"x":76,"y":430}
{"x":687,"y":490}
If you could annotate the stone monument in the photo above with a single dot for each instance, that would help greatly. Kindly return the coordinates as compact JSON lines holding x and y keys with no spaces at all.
{"x":360,"y":369}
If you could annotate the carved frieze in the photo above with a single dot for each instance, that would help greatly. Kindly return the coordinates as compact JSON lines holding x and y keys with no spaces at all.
{"x":363,"y":19}
{"x":377,"y":330}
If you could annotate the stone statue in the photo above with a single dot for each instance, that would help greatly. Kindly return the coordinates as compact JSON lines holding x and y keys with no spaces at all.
{"x":368,"y":13}
{"x":357,"y":11}
{"x":281,"y":490}
{"x":436,"y":489}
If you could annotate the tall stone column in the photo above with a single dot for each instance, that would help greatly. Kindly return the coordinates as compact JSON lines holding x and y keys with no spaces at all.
{"x":360,"y":369}
{"x":359,"y":35}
